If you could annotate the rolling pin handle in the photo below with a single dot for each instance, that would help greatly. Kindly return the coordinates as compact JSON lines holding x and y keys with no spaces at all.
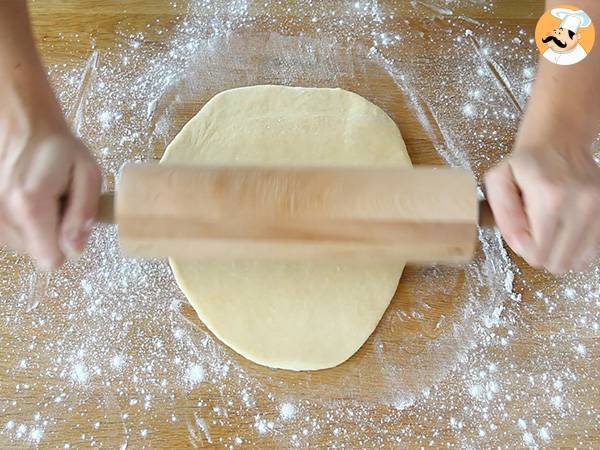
{"x":486,"y":216}
{"x":106,"y":208}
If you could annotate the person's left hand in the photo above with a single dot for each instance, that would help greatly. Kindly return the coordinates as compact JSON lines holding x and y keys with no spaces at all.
{"x":546,"y":202}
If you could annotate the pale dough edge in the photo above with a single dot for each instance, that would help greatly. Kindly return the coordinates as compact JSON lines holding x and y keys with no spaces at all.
{"x":182,"y":283}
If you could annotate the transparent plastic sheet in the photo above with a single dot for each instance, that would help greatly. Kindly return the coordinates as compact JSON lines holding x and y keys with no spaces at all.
{"x":109,"y":340}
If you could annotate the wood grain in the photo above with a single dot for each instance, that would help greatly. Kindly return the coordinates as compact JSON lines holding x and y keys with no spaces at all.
{"x":67,"y":33}
{"x":417,"y":215}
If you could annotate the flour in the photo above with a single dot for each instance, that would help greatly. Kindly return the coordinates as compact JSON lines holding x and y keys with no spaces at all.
{"x":21,"y":430}
{"x":195,"y":374}
{"x":261,"y":425}
{"x":111,"y":340}
{"x":544,"y":434}
{"x":557,"y":401}
{"x":36,"y":435}
{"x":80,"y":374}
{"x":580,"y":349}
{"x":528,"y":439}
{"x":469,"y":110}
{"x":117,"y":362}
{"x":287,"y":411}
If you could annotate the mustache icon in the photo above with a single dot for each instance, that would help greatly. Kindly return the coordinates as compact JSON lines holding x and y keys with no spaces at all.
{"x":555,"y":40}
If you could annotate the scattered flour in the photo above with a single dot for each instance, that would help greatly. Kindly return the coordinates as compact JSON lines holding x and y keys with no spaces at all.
{"x":110,"y":340}
{"x":261,"y":425}
{"x":117,"y":361}
{"x":580,"y":349}
{"x":195,"y":374}
{"x":544,"y":434}
{"x":557,"y":401}
{"x":80,"y":374}
{"x":36,"y":435}
{"x":469,"y":110}
{"x":528,"y":438}
{"x":287,"y":411}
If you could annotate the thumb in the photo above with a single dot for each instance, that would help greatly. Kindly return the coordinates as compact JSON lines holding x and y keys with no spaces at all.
{"x":507,"y":205}
{"x":80,"y":208}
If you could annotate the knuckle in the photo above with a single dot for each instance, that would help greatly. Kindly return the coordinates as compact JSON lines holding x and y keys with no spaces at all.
{"x":27,"y":203}
{"x":554,"y":193}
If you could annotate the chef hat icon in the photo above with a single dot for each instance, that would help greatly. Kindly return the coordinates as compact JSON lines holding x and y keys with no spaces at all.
{"x":572,"y":20}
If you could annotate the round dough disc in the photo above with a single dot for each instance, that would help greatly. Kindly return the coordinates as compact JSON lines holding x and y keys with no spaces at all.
{"x":289,"y":315}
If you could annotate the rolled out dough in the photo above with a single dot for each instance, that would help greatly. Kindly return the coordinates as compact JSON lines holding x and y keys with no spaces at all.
{"x":289,"y":315}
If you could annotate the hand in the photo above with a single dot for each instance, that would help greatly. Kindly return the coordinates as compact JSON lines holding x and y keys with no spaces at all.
{"x":546,"y":202}
{"x":49,"y":190}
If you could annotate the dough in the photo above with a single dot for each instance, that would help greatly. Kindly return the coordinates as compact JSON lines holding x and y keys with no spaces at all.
{"x":289,"y":315}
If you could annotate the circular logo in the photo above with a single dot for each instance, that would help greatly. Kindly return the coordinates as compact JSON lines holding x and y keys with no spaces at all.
{"x":565,"y":35}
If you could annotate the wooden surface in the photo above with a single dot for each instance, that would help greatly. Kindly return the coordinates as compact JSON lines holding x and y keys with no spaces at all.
{"x":290,"y":214}
{"x":68,"y":33}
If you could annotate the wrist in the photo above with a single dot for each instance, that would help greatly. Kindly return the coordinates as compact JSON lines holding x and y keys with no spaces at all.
{"x":556,"y":131}
{"x":29,"y":108}
{"x":564,"y":108}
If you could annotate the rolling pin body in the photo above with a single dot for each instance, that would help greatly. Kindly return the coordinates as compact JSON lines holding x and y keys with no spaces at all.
{"x":199,"y":212}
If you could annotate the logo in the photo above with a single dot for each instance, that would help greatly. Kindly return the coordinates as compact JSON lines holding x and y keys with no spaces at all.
{"x":565,"y":35}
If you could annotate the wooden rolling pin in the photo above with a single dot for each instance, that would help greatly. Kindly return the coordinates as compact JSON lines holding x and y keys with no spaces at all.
{"x":199,"y":212}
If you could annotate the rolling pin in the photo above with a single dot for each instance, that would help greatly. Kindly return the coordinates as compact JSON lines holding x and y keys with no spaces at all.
{"x":419,"y":215}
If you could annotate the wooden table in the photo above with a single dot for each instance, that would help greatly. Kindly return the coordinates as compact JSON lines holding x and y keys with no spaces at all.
{"x":442,"y":369}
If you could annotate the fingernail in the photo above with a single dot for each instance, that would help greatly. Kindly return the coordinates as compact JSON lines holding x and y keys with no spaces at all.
{"x":46,"y":265}
{"x":521,"y":250}
{"x":87,"y":226}
{"x":71,"y":250}
{"x":73,"y":254}
{"x":518,"y":248}
{"x":70,"y":245}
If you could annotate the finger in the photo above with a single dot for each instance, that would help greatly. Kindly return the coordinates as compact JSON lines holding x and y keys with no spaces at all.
{"x":38,"y":217}
{"x":81,"y":206}
{"x":571,"y":238}
{"x":589,"y":251}
{"x":505,"y":200}
{"x":11,"y":237}
{"x":589,"y":259}
{"x":9,"y":234}
{"x":544,"y":207}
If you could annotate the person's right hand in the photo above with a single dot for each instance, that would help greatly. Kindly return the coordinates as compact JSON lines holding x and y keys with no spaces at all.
{"x":49,"y":191}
